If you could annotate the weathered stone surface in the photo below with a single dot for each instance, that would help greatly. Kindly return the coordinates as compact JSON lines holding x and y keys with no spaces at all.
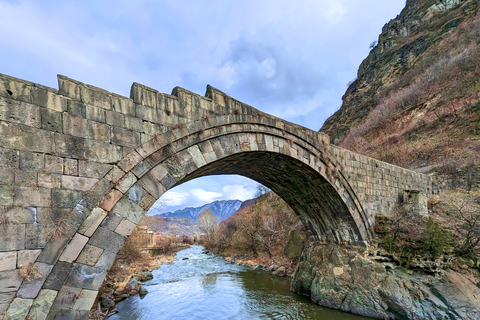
{"x":27,"y":256}
{"x":42,"y":304}
{"x":10,"y":280}
{"x":126,"y":182}
{"x":18,"y":309}
{"x":58,"y":275}
{"x":66,"y":198}
{"x":91,"y":223}
{"x":128,"y":209}
{"x":37,"y":197}
{"x":12,"y":237}
{"x":53,"y":164}
{"x":8,"y":260}
{"x":111,"y":199}
{"x":90,"y":255}
{"x":52,"y":120}
{"x":66,"y":298}
{"x":21,"y":137}
{"x":130,"y":161}
{"x":85,"y":277}
{"x":93,"y":169}
{"x":78,"y":183}
{"x":30,"y":289}
{"x":5,"y":299}
{"x":49,"y":180}
{"x":71,"y":252}
{"x":85,"y":300}
{"x":107,"y":240}
{"x":125,"y":228}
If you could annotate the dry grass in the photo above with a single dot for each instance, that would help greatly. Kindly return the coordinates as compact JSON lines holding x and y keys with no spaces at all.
{"x":30,"y":272}
{"x":58,"y":232}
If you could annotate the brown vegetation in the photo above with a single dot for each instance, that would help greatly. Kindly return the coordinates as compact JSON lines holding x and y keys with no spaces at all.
{"x":30,"y":272}
{"x":260,"y":231}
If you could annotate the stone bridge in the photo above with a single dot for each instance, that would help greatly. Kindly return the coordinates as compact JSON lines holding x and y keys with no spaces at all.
{"x":80,"y":166}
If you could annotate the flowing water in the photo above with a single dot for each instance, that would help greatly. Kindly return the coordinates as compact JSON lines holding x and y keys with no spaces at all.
{"x":199,"y":286}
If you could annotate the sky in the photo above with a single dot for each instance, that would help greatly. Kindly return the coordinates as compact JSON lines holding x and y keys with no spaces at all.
{"x":292,"y":59}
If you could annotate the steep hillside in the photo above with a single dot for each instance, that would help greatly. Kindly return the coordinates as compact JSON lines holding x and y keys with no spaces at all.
{"x":222,"y":209}
{"x":416,"y":99}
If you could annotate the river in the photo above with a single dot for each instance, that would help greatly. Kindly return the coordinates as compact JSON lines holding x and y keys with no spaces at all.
{"x":198,"y":286}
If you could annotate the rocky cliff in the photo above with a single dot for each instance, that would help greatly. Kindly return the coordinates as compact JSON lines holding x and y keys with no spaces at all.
{"x":367,"y":283}
{"x":416,"y":98}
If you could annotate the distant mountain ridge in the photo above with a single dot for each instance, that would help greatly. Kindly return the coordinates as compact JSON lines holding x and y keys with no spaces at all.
{"x":221,"y":208}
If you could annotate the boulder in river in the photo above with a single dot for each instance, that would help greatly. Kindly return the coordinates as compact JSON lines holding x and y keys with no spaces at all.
{"x":142,"y":291}
{"x":280,"y":272}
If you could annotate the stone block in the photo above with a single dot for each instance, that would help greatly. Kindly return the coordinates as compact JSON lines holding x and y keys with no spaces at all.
{"x":5,"y":300}
{"x":115,"y":174}
{"x":70,"y":167}
{"x":168,"y":182}
{"x":128,"y":209}
{"x":12,"y":237}
{"x":49,"y":180}
{"x":32,"y":161}
{"x":10,"y":281}
{"x":66,"y":198}
{"x":9,"y":158}
{"x":53,"y":249}
{"x":27,"y":256}
{"x":20,"y":112}
{"x":130,"y":161}
{"x":115,"y":119}
{"x":197,"y":156}
{"x":149,"y":147}
{"x":110,"y":199}
{"x":159,"y":172}
{"x":7,"y":176}
{"x":112,"y":221}
{"x":52,"y":120}
{"x":90,"y":255}
{"x":66,"y":298}
{"x":174,"y":167}
{"x":19,"y":215}
{"x":18,"y":309}
{"x":98,"y":131}
{"x":123,"y":105}
{"x":147,"y":202}
{"x":53,"y":164}
{"x":126,"y":182}
{"x":74,"y":248}
{"x":141,"y":168}
{"x":42,"y":304}
{"x":103,"y":152}
{"x":85,"y":277}
{"x":146,"y":113}
{"x":58,"y":275}
{"x":37,"y":197}
{"x":91,"y":223}
{"x":48,"y":98}
{"x":136,"y":193}
{"x":30,"y":289}
{"x":35,"y":236}
{"x":75,"y":126}
{"x":8,"y":260}
{"x":77,"y":109}
{"x":106,"y":260}
{"x":93,"y":169}
{"x":96,"y":97}
{"x":7,"y":194}
{"x":78,"y":183}
{"x":85,"y":300}
{"x":124,"y":137}
{"x":133,"y":123}
{"x":95,"y":113}
{"x":107,"y":240}
{"x":21,"y":137}
{"x":26,"y":178}
{"x":125,"y":228}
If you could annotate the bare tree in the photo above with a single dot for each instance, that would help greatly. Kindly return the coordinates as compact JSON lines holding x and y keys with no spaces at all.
{"x":208,"y":223}
{"x":468,"y":211}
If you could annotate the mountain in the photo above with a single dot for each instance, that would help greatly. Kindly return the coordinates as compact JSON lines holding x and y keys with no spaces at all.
{"x":416,"y":99}
{"x":222,"y":209}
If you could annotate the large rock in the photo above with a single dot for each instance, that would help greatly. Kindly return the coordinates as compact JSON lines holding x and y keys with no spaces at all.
{"x":346,"y":279}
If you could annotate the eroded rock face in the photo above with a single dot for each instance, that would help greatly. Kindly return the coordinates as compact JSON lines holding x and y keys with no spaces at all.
{"x":348,"y":280}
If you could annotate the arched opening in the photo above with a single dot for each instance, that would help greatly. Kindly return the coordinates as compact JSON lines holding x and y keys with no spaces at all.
{"x":310,"y":195}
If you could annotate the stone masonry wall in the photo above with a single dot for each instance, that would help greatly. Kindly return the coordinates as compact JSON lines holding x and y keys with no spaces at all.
{"x":71,"y":157}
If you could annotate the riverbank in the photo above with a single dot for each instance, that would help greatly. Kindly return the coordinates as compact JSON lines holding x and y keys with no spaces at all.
{"x":367,"y":282}
{"x":258,"y":265}
{"x":126,"y":277}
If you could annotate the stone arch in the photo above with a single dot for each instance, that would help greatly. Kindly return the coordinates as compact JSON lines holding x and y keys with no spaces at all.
{"x":305,"y":176}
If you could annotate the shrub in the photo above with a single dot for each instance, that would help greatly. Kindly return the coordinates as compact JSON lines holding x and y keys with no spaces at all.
{"x":437,"y":240}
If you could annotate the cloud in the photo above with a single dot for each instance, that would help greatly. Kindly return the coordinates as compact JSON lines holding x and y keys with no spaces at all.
{"x":203,"y":196}
{"x":238,"y":192}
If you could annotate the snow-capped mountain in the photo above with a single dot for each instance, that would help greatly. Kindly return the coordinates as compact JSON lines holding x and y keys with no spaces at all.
{"x":222,"y":209}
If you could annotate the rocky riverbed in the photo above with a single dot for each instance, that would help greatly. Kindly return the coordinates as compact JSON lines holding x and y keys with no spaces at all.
{"x":360,"y":281}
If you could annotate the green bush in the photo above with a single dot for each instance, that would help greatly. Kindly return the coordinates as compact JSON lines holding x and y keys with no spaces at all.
{"x":437,"y":240}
